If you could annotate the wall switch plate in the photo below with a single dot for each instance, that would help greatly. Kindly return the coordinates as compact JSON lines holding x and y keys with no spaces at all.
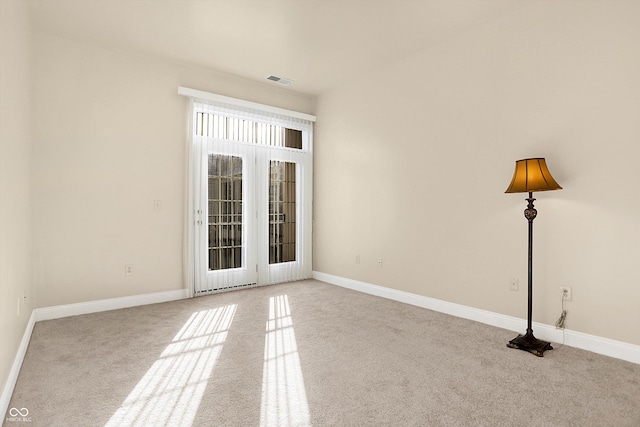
{"x":379,"y":262}
{"x":514,"y":284}
{"x":565,"y":292}
{"x":357,"y":259}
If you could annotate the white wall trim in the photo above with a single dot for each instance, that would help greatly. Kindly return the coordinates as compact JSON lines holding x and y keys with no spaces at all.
{"x":67,"y":310}
{"x":7,"y":391}
{"x":208,"y":96}
{"x":605,"y":346}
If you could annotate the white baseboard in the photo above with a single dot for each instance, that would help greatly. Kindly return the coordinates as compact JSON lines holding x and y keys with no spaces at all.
{"x":605,"y":346}
{"x":67,"y":310}
{"x":7,"y":391}
{"x":59,"y":311}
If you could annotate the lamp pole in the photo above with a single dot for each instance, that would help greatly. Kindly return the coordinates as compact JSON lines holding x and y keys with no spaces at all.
{"x":530,"y":214}
{"x":529,"y":342}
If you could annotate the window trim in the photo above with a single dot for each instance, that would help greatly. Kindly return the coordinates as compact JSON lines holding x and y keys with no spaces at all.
{"x":208,"y":96}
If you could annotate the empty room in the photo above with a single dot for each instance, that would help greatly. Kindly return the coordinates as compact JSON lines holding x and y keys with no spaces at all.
{"x":319,"y":213}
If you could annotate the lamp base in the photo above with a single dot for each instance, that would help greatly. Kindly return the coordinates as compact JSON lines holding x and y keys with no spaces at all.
{"x":530,"y":343}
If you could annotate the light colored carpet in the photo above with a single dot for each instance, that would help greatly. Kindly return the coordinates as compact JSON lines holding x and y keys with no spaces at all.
{"x":308,"y":353}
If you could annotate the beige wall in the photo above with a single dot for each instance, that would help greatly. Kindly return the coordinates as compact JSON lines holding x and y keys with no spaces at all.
{"x":15,"y":180}
{"x":411,"y":164}
{"x":110,"y":139}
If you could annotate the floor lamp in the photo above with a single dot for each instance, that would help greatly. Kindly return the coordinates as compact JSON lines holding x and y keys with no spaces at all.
{"x":531,"y":175}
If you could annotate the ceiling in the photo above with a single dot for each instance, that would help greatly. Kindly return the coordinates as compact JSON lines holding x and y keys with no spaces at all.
{"x":316,"y":43}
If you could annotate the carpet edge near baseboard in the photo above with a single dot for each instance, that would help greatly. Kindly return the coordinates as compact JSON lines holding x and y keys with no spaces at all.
{"x":59,"y":311}
{"x":12,"y":378}
{"x":605,"y":346}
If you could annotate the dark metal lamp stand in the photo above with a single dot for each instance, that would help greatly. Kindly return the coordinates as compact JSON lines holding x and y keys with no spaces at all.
{"x":528,"y":342}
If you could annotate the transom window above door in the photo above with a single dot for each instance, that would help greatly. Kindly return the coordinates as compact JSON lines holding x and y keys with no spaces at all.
{"x":245,"y":130}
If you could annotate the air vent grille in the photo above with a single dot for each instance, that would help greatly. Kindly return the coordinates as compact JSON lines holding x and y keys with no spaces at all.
{"x":280,"y":80}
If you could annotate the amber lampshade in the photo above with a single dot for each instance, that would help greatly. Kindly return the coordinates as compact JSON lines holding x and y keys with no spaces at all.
{"x":532,"y":175}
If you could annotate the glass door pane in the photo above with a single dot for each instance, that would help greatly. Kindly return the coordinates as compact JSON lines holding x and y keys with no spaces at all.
{"x":282,"y":212}
{"x":225,"y":212}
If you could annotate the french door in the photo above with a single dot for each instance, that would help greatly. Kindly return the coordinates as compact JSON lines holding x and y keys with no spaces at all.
{"x":252,"y":212}
{"x":225,"y":231}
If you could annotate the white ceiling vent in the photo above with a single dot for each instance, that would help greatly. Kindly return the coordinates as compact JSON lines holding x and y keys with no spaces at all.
{"x":280,"y":80}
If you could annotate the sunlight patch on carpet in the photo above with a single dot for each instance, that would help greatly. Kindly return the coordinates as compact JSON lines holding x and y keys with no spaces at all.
{"x":284,"y":400}
{"x":171,"y":390}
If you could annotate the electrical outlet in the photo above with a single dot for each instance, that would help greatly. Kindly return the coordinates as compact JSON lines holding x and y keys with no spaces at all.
{"x":128,"y":270}
{"x":514,"y":284}
{"x":565,"y":292}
